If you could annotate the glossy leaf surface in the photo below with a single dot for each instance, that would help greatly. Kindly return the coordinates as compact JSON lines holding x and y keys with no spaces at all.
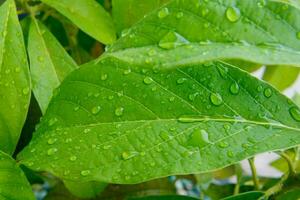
{"x":114,"y":122}
{"x":49,"y":63}
{"x":185,"y":32}
{"x":88,"y":15}
{"x":13,"y":183}
{"x":14,"y":78}
{"x":128,"y":12}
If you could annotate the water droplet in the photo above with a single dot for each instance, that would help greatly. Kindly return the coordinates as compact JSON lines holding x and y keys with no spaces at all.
{"x":268,"y":92}
{"x":148,"y":80}
{"x":234,"y":88}
{"x":163,"y":13}
{"x":181,"y":81}
{"x":119,"y":111}
{"x":129,"y":155}
{"x":103,"y":77}
{"x":18,"y":69}
{"x":76,"y":108}
{"x":298,"y":35}
{"x":164,"y":135}
{"x":52,"y":121}
{"x":179,"y":15}
{"x":105,"y":147}
{"x":216,"y":99}
{"x":230,"y":154}
{"x":295,"y":113}
{"x":259,"y":88}
{"x":85,"y":172}
{"x":51,"y":140}
{"x":73,"y":158}
{"x":51,"y":151}
{"x":199,"y":138}
{"x":127,"y":71}
{"x":233,"y":14}
{"x":86,"y":130}
{"x":25,"y":91}
{"x":96,"y":110}
{"x":223,"y":144}
{"x":172,"y":40}
{"x":171,"y":99}
{"x":40,"y":58}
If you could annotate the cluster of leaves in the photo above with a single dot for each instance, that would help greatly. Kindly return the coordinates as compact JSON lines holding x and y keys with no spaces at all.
{"x":131,"y":91}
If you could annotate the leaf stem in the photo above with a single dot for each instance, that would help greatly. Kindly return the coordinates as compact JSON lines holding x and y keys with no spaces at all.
{"x":254,"y":174}
{"x":292,"y":171}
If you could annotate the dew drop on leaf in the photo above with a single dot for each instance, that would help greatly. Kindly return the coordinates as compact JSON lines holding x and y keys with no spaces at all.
{"x":40,"y":58}
{"x":119,"y":111}
{"x":85,"y":172}
{"x":18,"y":69}
{"x":234,"y":88}
{"x":127,"y":71}
{"x":259,"y":88}
{"x":163,"y":13}
{"x":73,"y":158}
{"x":199,"y":138}
{"x":86,"y":130}
{"x":230,"y":154}
{"x":51,"y":151}
{"x":295,"y":113}
{"x":96,"y":110}
{"x":181,"y":81}
{"x":52,"y":121}
{"x":129,"y":155}
{"x":223,"y":144}
{"x":172,"y":40}
{"x":216,"y":99}
{"x":268,"y":92}
{"x":25,"y":91}
{"x":233,"y":14}
{"x":179,"y":15}
{"x":51,"y":141}
{"x":164,"y":135}
{"x":103,"y":77}
{"x":148,"y":80}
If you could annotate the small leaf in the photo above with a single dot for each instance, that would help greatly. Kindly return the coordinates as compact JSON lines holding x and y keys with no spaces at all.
{"x":211,"y":31}
{"x":14,"y":78}
{"x":281,"y":77}
{"x":13,"y":182}
{"x":127,"y":12}
{"x":118,"y":123}
{"x":89,"y":16}
{"x":247,"y":195}
{"x":85,"y":190}
{"x":49,"y":63}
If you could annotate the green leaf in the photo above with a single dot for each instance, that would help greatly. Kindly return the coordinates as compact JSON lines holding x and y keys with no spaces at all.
{"x":281,"y":77}
{"x":291,"y":194}
{"x":14,"y":78}
{"x":13,"y":183}
{"x":187,"y":32}
{"x":127,"y":12}
{"x":88,"y":15}
{"x":171,"y":197}
{"x":247,"y":195}
{"x":49,"y":63}
{"x":118,"y":123}
{"x":85,"y":190}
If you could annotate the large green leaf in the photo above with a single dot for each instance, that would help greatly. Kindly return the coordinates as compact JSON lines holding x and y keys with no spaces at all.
{"x":49,"y":63}
{"x":13,"y":183}
{"x":114,"y":122}
{"x":88,"y":15}
{"x":128,"y":12}
{"x":281,"y":77}
{"x":192,"y":31}
{"x":14,"y":78}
